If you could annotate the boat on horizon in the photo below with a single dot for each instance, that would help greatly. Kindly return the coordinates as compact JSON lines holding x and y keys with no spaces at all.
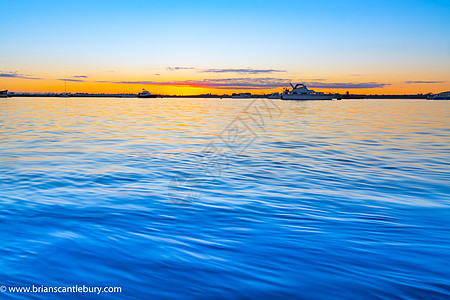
{"x":440,"y":96}
{"x":4,"y":94}
{"x":146,"y":94}
{"x":301,"y":92}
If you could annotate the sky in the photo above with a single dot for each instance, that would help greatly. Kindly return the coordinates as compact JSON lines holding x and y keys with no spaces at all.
{"x":222,"y":47}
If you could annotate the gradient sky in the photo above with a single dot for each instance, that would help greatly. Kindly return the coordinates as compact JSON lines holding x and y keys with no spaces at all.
{"x":192,"y":47}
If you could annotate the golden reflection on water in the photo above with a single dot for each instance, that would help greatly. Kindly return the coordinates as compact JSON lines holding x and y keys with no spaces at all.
{"x":184,"y":121}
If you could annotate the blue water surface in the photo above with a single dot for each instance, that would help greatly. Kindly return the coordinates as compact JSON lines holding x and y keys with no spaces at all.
{"x":226,"y":199}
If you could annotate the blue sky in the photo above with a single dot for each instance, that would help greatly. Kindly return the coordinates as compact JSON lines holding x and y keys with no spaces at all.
{"x":359,"y":41}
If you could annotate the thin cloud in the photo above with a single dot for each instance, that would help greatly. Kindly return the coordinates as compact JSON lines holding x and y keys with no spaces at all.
{"x":228,"y":70}
{"x":179,"y":68}
{"x":246,"y":83}
{"x":226,"y":83}
{"x":316,"y":79}
{"x":16,"y":75}
{"x":80,"y":76}
{"x":253,"y":83}
{"x":346,"y":85}
{"x":242,"y":71}
{"x":423,"y":81}
{"x":72,"y":80}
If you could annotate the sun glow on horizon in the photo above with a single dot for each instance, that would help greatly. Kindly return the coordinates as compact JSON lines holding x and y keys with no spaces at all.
{"x":186,"y":86}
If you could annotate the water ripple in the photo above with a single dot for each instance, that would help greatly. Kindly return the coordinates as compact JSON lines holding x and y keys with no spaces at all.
{"x":347,"y":199}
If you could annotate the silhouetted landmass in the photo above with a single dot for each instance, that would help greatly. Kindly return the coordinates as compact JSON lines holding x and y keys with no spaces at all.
{"x":418,"y":96}
{"x":122,"y":95}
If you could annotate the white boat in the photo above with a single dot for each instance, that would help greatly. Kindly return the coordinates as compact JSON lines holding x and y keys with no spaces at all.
{"x":441,"y":96}
{"x":301,"y":92}
{"x":4,"y":94}
{"x":146,"y":94}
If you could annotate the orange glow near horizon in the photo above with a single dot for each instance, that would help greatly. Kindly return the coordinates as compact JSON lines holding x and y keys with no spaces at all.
{"x":178,"y":86}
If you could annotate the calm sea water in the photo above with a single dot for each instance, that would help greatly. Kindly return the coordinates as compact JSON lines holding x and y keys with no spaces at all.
{"x":226,"y":199}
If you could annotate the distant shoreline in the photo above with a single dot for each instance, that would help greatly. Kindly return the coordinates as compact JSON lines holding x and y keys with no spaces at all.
{"x":128,"y":96}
